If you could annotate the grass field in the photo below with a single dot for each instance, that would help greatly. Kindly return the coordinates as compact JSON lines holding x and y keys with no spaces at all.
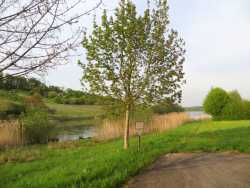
{"x":67,"y":116}
{"x":60,"y":109}
{"x":72,"y":119}
{"x":15,"y":96}
{"x":76,"y":110}
{"x":90,"y":164}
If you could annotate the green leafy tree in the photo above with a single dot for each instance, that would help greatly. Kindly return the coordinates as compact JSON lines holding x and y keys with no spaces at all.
{"x":37,"y":127}
{"x":167,"y":106}
{"x":236,"y":108}
{"x":215,"y":102}
{"x":34,"y":101}
{"x":134,"y":58}
{"x":246,"y":104}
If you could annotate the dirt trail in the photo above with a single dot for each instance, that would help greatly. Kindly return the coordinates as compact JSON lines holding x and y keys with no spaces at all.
{"x":203,"y":170}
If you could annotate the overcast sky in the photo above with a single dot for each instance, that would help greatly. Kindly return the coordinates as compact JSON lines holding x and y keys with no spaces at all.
{"x":217,"y":35}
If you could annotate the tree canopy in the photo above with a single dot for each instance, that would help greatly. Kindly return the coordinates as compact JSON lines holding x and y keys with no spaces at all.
{"x":224,"y":105}
{"x":134,"y":58}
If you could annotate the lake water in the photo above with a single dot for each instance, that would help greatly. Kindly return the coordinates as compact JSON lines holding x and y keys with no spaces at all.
{"x":75,"y":133}
{"x":84,"y":132}
{"x":197,"y":114}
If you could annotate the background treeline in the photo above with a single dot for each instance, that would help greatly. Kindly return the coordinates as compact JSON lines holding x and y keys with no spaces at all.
{"x":27,"y":102}
{"x":53,"y":93}
{"x":16,"y":91}
{"x":67,"y":96}
{"x":224,"y":105}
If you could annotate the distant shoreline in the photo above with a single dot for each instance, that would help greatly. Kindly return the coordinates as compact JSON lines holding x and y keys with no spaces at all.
{"x":193,"y":108}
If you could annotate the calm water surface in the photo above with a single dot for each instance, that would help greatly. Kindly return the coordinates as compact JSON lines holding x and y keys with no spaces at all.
{"x":196,"y":114}
{"x":74,"y":133}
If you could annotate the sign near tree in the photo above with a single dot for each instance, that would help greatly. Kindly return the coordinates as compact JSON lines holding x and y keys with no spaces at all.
{"x":139,"y":127}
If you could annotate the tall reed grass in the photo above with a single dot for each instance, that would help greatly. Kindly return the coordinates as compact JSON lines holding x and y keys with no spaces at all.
{"x":10,"y":134}
{"x":112,"y":129}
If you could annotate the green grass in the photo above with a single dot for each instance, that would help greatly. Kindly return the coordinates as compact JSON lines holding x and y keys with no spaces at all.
{"x":61,"y":109}
{"x":74,"y":116}
{"x":66,"y":118}
{"x":15,"y":96}
{"x":76,"y":110}
{"x":99,"y":165}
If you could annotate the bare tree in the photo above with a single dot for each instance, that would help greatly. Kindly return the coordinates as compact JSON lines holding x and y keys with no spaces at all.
{"x":33,"y":33}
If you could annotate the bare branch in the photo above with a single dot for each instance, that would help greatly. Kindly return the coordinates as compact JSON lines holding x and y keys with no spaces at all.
{"x":32,"y":33}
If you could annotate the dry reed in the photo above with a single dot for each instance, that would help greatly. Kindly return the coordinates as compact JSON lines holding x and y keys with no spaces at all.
{"x":10,"y":134}
{"x":112,"y":129}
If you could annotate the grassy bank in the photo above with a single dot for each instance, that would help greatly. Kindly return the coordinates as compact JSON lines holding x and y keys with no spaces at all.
{"x":90,"y":164}
{"x":76,"y":110}
{"x":70,"y":116}
{"x":66,"y":119}
{"x":64,"y":115}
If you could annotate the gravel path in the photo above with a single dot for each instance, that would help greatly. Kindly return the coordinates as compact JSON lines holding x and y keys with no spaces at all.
{"x":199,"y":170}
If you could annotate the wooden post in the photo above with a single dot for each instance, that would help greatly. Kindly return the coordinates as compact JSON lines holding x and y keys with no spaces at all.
{"x":139,"y":142}
{"x":139,"y":129}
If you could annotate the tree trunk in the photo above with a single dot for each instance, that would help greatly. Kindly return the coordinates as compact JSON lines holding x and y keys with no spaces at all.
{"x":126,"y":128}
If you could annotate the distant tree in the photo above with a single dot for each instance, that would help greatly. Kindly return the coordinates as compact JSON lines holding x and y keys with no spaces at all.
{"x":167,"y":106}
{"x":56,"y":89}
{"x":224,"y":105}
{"x":37,"y":126}
{"x":215,"y":102}
{"x":22,"y":83}
{"x":235,"y":108}
{"x":34,"y":101}
{"x":134,"y":59}
{"x":52,"y":94}
{"x":246,"y":109}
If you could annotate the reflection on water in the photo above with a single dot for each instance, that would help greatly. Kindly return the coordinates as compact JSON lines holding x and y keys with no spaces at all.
{"x":70,"y":133}
{"x":76,"y":133}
